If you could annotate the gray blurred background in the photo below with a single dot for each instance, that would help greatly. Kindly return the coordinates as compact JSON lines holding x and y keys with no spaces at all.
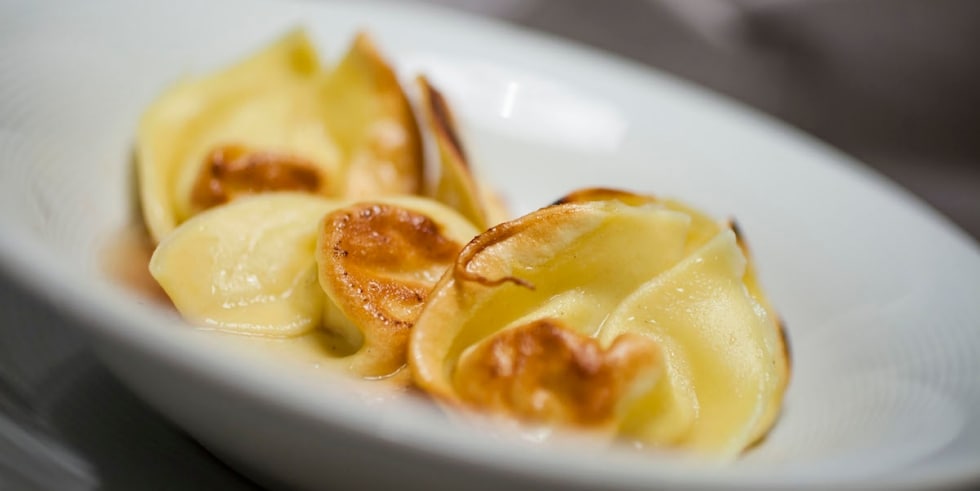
{"x":894,"y":83}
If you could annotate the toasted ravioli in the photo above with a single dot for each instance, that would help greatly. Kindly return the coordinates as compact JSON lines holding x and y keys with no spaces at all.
{"x":278,"y":121}
{"x":377,"y":261}
{"x":369,"y":114}
{"x":457,"y":185}
{"x":547,"y":265}
{"x":639,"y":292}
{"x":237,"y":131}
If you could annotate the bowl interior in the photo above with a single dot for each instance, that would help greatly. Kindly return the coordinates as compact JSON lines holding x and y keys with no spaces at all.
{"x":878,"y":292}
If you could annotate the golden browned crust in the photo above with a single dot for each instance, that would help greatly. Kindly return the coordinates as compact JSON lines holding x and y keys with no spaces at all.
{"x":457,"y":185}
{"x":383,"y":261}
{"x":787,"y":348}
{"x":585,"y":195}
{"x":442,"y":120}
{"x":481,"y":243}
{"x":234,"y":170}
{"x":543,"y":371}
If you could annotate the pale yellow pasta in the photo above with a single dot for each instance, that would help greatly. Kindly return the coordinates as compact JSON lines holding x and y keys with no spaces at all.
{"x":655,"y":334}
{"x":247,"y":266}
{"x":277,"y":121}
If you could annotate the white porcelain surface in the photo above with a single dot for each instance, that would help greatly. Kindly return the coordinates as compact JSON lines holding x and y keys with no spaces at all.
{"x":881,"y":295}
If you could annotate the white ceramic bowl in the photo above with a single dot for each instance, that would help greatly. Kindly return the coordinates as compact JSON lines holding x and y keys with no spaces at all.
{"x":881,"y":295}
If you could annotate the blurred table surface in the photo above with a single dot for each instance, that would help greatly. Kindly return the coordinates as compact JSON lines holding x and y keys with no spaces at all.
{"x":895,"y":86}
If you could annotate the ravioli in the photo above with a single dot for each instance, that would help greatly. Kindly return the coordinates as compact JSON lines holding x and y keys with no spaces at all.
{"x":369,"y":115}
{"x":647,"y":295}
{"x":277,"y":121}
{"x":284,"y":264}
{"x":187,"y":136}
{"x":457,"y":186}
{"x":247,"y":267}
{"x":377,"y":261}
